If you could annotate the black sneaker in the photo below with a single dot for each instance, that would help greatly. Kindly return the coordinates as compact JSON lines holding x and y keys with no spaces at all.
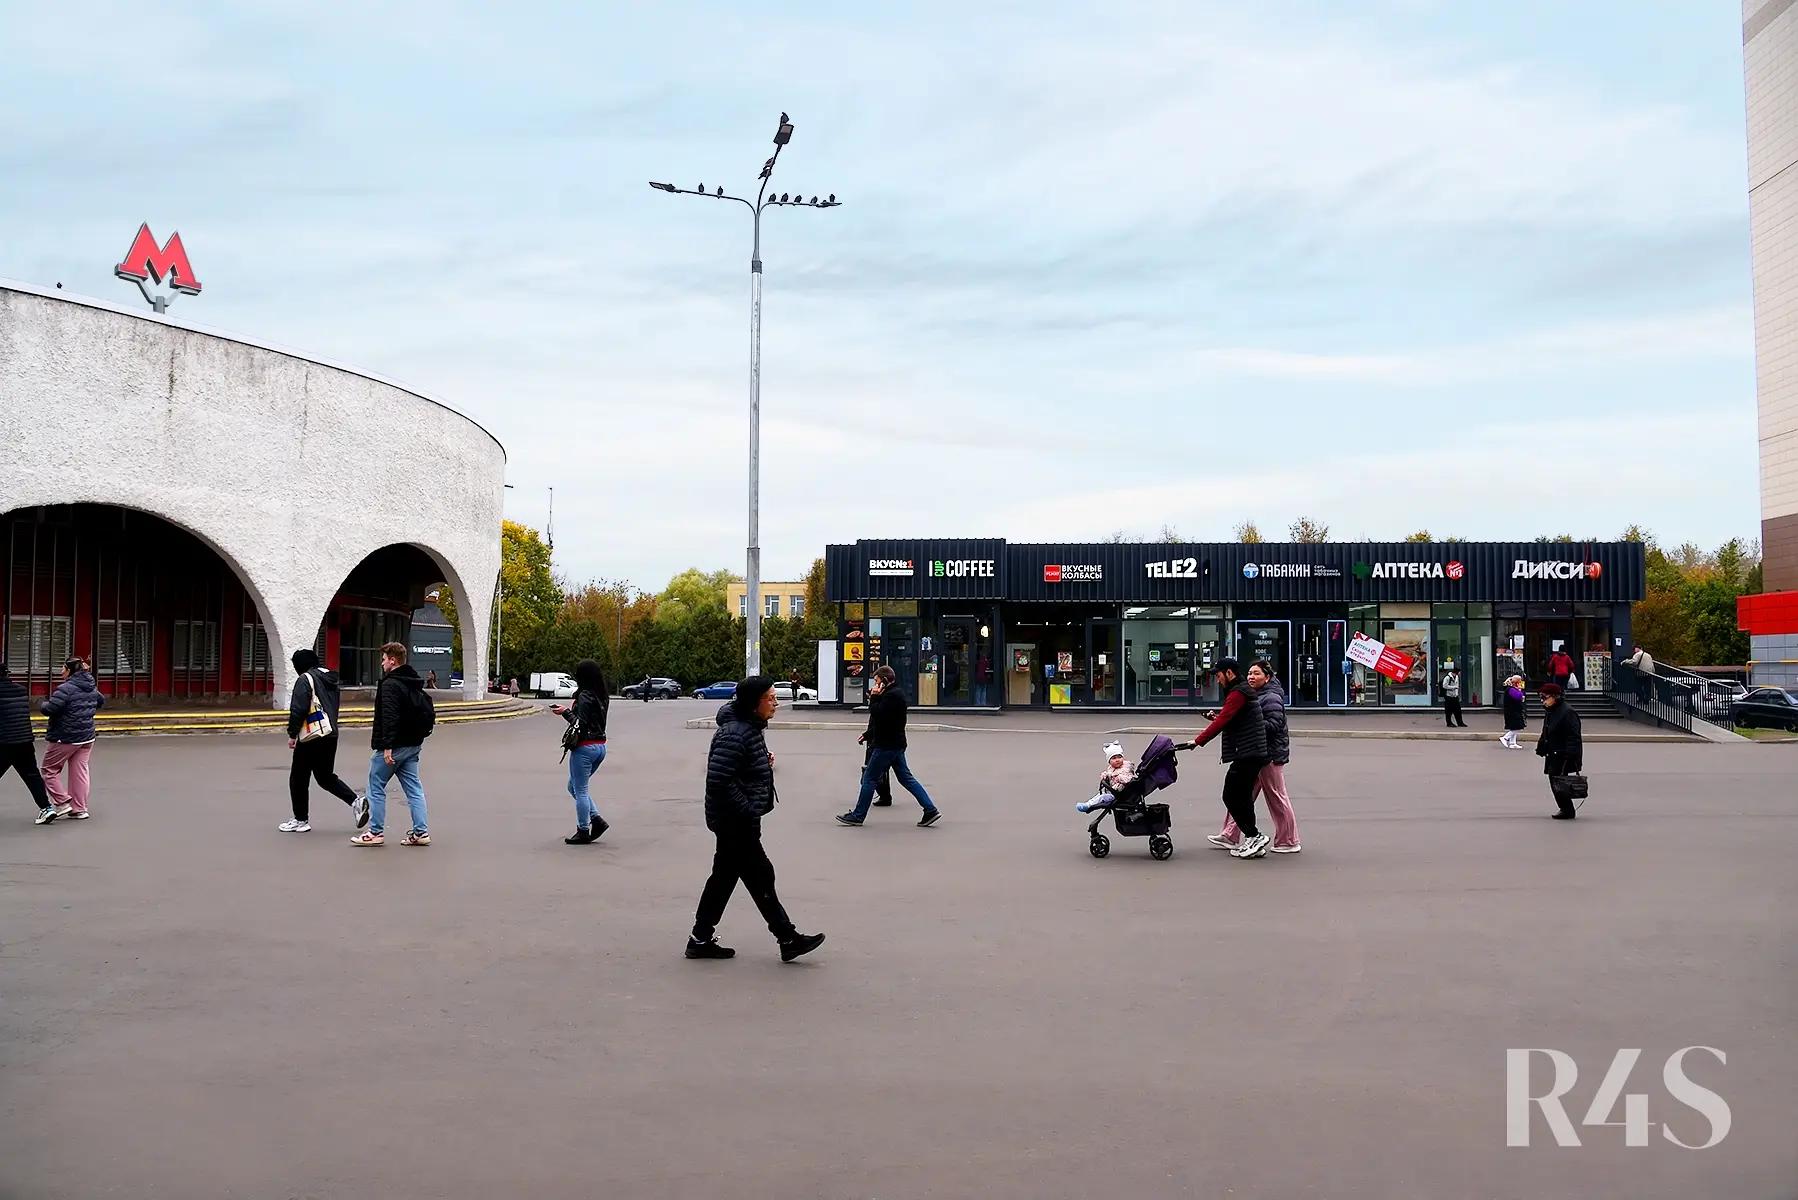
{"x":887,"y":802}
{"x":848,"y":819}
{"x":798,"y":944}
{"x":581,"y":837}
{"x":930,"y":818}
{"x":599,"y":826}
{"x":1561,"y":816}
{"x":709,"y":949}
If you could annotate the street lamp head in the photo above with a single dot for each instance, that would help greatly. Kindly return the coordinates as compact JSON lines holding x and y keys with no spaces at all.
{"x":784,"y":134}
{"x":662,"y":187}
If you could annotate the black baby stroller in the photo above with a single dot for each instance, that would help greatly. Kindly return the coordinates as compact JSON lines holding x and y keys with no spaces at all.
{"x":1128,"y":812}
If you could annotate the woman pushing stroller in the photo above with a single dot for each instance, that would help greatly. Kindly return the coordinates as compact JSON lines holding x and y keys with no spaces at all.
{"x":1271,"y":783}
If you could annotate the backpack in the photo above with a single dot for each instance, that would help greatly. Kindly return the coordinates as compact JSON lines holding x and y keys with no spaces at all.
{"x":423,"y":714}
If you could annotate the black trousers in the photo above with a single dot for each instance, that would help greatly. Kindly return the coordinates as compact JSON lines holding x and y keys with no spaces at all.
{"x":23,"y":759}
{"x":883,"y":787}
{"x":316,"y":760}
{"x":1239,"y":793}
{"x":740,"y":856}
{"x":1451,"y":711}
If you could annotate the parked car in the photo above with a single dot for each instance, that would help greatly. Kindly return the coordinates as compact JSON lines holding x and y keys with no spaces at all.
{"x":551,"y":684}
{"x":724,"y":689}
{"x":783,"y":691}
{"x":1719,"y":697}
{"x":1767,"y":708}
{"x":659,"y":689}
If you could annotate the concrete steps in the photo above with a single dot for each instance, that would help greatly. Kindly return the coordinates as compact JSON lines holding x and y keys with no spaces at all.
{"x":113,"y":723}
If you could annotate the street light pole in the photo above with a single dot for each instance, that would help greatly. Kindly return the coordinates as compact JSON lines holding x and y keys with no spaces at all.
{"x":752,"y":648}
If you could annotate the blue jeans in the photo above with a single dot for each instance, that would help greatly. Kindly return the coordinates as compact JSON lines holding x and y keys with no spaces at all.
{"x":405,"y":765}
{"x":582,"y":762}
{"x":879,"y":763}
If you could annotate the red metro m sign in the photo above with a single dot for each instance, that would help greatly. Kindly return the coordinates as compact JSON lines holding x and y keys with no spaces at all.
{"x":147,"y":261}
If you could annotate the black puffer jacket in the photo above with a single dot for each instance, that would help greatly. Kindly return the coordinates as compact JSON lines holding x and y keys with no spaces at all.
{"x":1246,"y":736}
{"x":71,"y":708}
{"x":1273,"y":715}
{"x":299,"y":706}
{"x":15,"y":713}
{"x":589,"y":712}
{"x":395,"y":725}
{"x":739,"y":780}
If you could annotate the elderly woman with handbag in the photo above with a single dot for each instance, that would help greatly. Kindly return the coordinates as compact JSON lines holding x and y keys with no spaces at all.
{"x":1563,"y":751}
{"x":312,"y":736}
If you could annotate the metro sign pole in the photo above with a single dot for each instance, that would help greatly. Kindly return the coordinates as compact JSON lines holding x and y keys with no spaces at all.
{"x":147,"y":261}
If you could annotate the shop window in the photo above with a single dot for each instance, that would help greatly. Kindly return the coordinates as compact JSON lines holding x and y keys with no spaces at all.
{"x":122,"y":648}
{"x":37,"y":645}
{"x":196,"y":647}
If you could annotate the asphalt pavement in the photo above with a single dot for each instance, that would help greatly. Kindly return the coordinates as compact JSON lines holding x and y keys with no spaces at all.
{"x":193,"y":1005}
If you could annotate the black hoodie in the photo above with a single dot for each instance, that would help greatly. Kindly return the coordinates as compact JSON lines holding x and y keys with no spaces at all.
{"x":300,"y":706}
{"x":396,"y":724}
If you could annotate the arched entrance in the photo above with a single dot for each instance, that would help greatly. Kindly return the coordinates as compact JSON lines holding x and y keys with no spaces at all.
{"x":159,"y":613}
{"x":390,"y":596}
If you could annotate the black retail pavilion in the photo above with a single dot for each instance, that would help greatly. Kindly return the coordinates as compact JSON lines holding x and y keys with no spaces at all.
{"x":982,"y":623}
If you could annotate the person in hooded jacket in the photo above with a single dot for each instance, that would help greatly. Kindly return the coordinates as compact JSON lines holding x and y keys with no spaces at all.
{"x":586,"y":713}
{"x":1514,"y":713}
{"x":18,"y":743}
{"x":1271,"y":782}
{"x":398,"y":740}
{"x":69,"y":740}
{"x":1245,"y":751}
{"x":739,"y":792}
{"x":1561,"y":745}
{"x":316,"y":690}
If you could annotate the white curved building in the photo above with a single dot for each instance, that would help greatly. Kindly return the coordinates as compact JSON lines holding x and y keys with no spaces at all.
{"x":186,"y":508}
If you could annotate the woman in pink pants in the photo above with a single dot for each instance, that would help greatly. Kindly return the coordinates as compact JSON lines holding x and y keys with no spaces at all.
{"x":69,"y":741}
{"x":1272,"y":780}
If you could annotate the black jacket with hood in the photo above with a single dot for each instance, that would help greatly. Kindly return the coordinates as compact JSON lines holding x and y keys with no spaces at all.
{"x":395,"y":724}
{"x":15,"y":713}
{"x":299,"y":707}
{"x":739,"y":779}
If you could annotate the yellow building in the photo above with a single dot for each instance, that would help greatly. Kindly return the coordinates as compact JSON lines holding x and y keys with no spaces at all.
{"x":778,"y":599}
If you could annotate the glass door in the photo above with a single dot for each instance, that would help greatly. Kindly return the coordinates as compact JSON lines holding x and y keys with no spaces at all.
{"x":955,"y":685}
{"x":1450,"y":644}
{"x":1103,"y":667}
{"x":1271,"y":640}
{"x":1307,"y":685}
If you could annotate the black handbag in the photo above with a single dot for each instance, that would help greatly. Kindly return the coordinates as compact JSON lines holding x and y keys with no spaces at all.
{"x":1568,"y":787}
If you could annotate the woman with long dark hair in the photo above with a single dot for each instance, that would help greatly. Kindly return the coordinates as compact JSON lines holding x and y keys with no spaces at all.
{"x":586,"y":717}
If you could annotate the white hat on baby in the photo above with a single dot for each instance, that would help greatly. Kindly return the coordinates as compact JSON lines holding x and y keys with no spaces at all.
{"x":1114,"y":749}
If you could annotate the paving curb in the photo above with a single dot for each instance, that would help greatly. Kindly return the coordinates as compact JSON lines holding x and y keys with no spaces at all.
{"x":153,"y":724}
{"x":1389,"y":735}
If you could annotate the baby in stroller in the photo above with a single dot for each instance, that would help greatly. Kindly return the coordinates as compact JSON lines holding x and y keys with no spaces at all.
{"x":1123,"y":789}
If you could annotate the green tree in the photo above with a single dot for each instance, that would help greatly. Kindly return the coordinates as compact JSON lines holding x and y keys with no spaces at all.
{"x":1249,"y":532}
{"x":815,"y":594}
{"x":692,"y":590}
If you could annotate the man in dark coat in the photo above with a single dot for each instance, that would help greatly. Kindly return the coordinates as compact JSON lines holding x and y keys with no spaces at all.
{"x":1561,"y":745}
{"x":739,"y":792}
{"x":316,"y":690}
{"x":885,"y":739}
{"x":403,"y":719}
{"x":18,"y":744}
{"x":1245,"y":749}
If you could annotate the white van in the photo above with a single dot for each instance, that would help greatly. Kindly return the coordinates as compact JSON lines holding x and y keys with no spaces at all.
{"x":551,"y":685}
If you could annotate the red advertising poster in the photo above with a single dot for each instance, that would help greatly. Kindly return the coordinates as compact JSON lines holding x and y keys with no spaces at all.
{"x":1381,"y":657}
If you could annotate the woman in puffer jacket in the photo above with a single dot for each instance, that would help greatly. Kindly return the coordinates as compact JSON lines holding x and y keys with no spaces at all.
{"x":70,"y":738}
{"x":1271,"y":783}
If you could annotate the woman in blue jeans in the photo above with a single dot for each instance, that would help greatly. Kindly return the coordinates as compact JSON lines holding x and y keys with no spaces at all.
{"x":886,"y":739}
{"x":586,"y":713}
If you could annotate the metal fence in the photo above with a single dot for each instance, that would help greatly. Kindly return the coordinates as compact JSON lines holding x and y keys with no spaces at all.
{"x":1676,"y":696}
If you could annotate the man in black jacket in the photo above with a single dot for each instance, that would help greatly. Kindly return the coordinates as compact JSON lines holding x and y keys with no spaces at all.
{"x":403,"y":718}
{"x":1245,"y":750}
{"x":18,"y":744}
{"x":739,"y":792}
{"x":886,"y":738}
{"x":315,"y":691}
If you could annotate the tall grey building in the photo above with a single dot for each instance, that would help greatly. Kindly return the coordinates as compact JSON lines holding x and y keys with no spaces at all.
{"x":1770,"y":61}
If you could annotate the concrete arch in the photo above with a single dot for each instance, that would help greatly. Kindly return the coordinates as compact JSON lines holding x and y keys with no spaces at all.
{"x":292,"y":469}
{"x":474,"y":610}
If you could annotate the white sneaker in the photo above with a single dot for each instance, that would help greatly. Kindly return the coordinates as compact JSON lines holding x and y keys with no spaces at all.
{"x":295,"y":827}
{"x":1284,"y":849}
{"x":359,"y":809}
{"x":46,"y":815}
{"x":1252,"y":847}
{"x":63,"y":810}
{"x":1222,"y":842}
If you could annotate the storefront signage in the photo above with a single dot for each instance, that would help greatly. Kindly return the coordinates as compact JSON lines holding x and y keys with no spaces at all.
{"x":890,"y":566}
{"x":1174,"y":568}
{"x":1410,"y":570}
{"x":1525,"y":569}
{"x":1378,"y":656}
{"x":959,"y":568}
{"x":1073,"y":573}
{"x":1285,"y":571}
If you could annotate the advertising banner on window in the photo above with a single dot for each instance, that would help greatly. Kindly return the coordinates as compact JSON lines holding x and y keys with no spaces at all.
{"x":1380,"y":657}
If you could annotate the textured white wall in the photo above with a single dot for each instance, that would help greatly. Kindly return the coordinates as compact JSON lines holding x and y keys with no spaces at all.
{"x":293,"y":470}
{"x":1770,"y":64}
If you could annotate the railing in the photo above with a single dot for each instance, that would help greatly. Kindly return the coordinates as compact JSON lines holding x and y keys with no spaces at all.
{"x":1676,"y":696}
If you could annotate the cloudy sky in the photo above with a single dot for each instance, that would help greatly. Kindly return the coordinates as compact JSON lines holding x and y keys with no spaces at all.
{"x":1400,"y":263}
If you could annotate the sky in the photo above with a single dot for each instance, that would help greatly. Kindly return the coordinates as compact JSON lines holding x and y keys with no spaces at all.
{"x":1099,"y":268}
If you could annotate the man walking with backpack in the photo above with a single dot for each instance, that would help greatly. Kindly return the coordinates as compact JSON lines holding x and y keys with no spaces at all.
{"x":404,"y":718}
